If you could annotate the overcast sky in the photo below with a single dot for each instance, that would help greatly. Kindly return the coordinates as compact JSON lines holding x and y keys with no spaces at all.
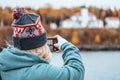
{"x":59,"y":3}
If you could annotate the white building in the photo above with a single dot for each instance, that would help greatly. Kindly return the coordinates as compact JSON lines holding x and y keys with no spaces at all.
{"x":112,"y":22}
{"x":82,"y":20}
{"x":53,"y":25}
{"x":69,"y":23}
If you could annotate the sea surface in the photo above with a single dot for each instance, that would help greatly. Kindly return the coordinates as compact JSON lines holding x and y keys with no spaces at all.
{"x":99,"y":65}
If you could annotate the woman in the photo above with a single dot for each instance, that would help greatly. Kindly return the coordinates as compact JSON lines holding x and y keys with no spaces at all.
{"x":30,"y":56}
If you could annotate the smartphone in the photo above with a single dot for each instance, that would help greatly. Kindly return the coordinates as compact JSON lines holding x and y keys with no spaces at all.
{"x":51,"y":42}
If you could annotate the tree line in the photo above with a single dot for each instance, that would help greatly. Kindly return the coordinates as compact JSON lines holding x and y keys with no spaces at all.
{"x":49,"y":14}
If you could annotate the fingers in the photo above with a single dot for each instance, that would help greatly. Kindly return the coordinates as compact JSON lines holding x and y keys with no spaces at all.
{"x":58,"y":51}
{"x":56,"y":45}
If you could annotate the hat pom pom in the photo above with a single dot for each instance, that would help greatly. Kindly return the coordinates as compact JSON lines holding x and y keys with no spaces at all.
{"x":18,"y":12}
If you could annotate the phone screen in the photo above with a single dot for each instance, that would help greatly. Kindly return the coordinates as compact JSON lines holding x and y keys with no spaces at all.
{"x":51,"y":42}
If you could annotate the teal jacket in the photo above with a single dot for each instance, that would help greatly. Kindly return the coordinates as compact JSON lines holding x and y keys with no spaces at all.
{"x":20,"y":65}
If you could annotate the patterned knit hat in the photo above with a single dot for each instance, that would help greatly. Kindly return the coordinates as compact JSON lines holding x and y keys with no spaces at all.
{"x":28,"y":30}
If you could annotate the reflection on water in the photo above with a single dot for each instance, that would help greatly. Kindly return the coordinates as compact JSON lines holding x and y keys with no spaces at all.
{"x":100,"y":65}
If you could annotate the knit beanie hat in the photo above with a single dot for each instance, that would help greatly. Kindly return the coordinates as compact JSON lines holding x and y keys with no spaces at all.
{"x":28,"y":30}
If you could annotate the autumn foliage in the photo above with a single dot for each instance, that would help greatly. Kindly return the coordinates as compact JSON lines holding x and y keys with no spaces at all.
{"x":76,"y":36}
{"x":97,"y":38}
{"x":75,"y":39}
{"x":49,"y":14}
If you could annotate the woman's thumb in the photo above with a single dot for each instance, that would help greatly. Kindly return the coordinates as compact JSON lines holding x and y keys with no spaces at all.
{"x":56,"y":45}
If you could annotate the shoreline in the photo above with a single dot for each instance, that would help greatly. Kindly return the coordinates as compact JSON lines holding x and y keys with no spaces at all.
{"x":87,"y":39}
{"x":99,"y":47}
{"x":96,"y":48}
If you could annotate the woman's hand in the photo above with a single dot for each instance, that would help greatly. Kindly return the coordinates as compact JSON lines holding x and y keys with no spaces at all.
{"x":61,"y":41}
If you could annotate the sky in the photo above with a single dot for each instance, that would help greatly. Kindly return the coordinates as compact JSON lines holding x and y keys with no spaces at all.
{"x":59,"y":3}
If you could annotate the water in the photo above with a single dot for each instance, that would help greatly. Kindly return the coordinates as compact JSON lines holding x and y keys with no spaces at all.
{"x":100,"y":65}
